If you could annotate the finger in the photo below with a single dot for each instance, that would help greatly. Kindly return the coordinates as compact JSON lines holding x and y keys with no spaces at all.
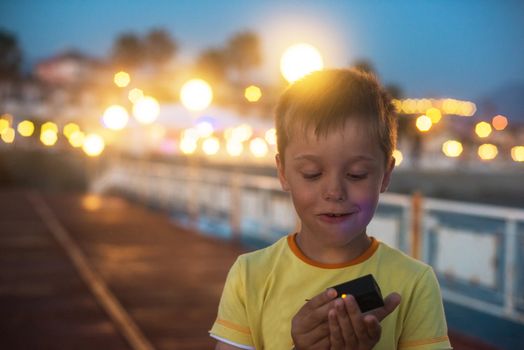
{"x":322,"y":344}
{"x":373,"y":327}
{"x":322,"y":298}
{"x":315,"y":311}
{"x":357,"y":320}
{"x":310,"y":336}
{"x":335,"y":335}
{"x":390,"y":304}
{"x":348,"y":333}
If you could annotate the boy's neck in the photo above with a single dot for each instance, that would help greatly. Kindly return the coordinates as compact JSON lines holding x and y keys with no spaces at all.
{"x":334,"y":254}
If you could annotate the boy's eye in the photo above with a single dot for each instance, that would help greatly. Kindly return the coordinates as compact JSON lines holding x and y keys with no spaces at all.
{"x":357,"y":176}
{"x":311,"y":176}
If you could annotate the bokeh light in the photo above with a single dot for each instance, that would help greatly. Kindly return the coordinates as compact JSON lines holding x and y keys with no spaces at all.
{"x":135,"y":95}
{"x":499,"y":122}
{"x":91,"y":202}
{"x":487,"y":151}
{"x":70,"y":128}
{"x":115,"y":117}
{"x":271,"y":136}
{"x":423,"y":123}
{"x":483,"y":129}
{"x":234,"y":148}
{"x":398,"y":157}
{"x":76,"y":139}
{"x":299,"y":60}
{"x":48,"y":136}
{"x":204,"y":129}
{"x":253,"y":93}
{"x":122,"y":79}
{"x":196,"y":95}
{"x":8,"y":135}
{"x":517,"y":153}
{"x":188,"y":145}
{"x":452,"y":148}
{"x":241,"y":133}
{"x":434,"y":114}
{"x":4,"y":125}
{"x":26,"y":128}
{"x":258,"y":147}
{"x":49,"y":126}
{"x":211,"y":146}
{"x":146,"y":110}
{"x":93,"y":145}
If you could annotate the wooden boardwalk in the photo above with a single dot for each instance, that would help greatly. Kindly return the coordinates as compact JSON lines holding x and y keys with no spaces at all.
{"x":86,"y":272}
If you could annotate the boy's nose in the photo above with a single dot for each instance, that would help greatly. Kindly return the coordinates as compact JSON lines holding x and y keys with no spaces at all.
{"x":334,"y":194}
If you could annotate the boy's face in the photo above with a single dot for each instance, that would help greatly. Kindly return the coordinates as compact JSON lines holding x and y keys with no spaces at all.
{"x":335,"y":182}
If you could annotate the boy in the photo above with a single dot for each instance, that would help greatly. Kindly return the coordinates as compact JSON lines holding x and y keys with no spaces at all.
{"x":336,"y":133}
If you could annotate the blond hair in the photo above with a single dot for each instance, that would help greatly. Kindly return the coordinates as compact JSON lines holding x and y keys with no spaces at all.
{"x":326,"y":100}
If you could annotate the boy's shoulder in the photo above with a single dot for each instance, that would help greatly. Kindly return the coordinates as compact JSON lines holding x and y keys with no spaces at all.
{"x":398,"y":260}
{"x":264,"y":257}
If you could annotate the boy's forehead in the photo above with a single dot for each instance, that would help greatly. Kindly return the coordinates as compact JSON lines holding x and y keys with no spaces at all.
{"x":311,"y":131}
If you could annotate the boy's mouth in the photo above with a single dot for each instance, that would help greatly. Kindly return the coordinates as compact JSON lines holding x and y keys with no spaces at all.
{"x":334,"y":217}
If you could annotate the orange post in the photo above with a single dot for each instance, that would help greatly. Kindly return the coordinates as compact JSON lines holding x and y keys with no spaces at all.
{"x":416,"y":211}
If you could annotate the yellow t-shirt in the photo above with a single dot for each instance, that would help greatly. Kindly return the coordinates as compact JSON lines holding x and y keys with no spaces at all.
{"x":266,"y":288}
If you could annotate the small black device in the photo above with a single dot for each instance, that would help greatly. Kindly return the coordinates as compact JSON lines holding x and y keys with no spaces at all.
{"x":364,"y":289}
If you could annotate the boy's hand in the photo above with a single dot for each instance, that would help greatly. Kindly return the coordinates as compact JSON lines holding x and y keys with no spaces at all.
{"x":350,"y":329}
{"x":309,"y":327}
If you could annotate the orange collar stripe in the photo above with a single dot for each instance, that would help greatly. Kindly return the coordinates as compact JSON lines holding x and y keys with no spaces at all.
{"x":291,"y":240}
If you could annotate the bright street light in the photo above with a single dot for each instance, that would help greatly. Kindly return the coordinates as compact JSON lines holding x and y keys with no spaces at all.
{"x":146,"y":110}
{"x":196,"y":95}
{"x":115,"y":117}
{"x":299,"y":60}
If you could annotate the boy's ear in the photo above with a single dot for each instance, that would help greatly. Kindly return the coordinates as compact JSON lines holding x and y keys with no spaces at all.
{"x":387,"y":175}
{"x":281,"y":174}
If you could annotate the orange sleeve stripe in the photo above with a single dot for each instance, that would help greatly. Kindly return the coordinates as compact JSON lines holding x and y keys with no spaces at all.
{"x":233,"y":326}
{"x":408,"y":344}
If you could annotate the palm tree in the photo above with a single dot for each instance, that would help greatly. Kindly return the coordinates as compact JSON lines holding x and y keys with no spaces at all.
{"x":11,"y":57}
{"x":128,"y":51}
{"x":243,"y":53}
{"x":159,"y":47}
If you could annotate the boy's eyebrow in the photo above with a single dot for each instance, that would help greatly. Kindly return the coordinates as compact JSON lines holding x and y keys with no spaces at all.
{"x":315,"y":158}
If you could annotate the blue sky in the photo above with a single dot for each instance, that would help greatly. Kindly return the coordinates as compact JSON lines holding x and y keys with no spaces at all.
{"x":463,"y":49}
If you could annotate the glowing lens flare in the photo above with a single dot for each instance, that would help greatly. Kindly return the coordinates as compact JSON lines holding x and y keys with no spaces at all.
{"x":299,"y":60}
{"x":196,"y":95}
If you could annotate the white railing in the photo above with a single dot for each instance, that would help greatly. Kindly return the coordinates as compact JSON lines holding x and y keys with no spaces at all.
{"x":476,"y":250}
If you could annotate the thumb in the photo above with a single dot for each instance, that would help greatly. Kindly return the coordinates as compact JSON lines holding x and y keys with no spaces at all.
{"x":390,"y":304}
